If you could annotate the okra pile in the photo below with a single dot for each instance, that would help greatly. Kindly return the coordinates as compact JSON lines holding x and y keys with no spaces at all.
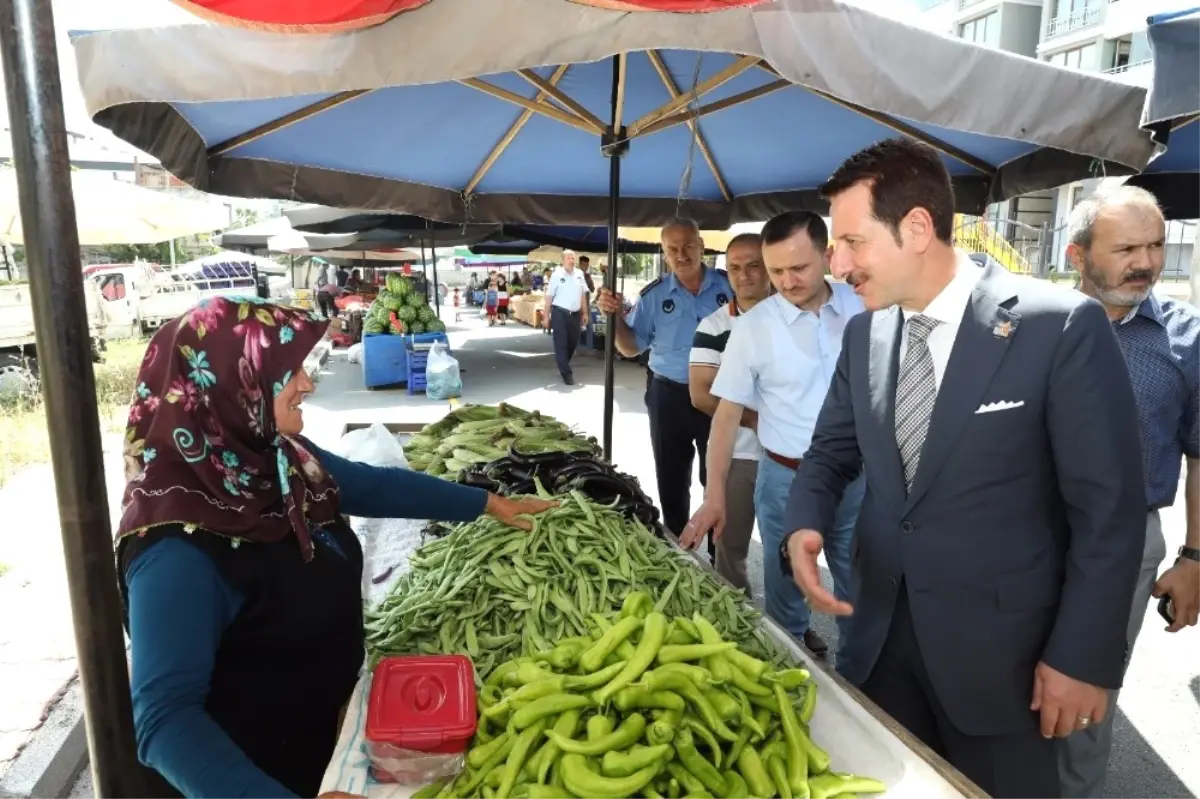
{"x":494,"y":593}
{"x":646,"y":705}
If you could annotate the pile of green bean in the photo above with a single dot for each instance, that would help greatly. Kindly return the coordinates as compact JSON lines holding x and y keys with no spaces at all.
{"x":647,"y":706}
{"x":494,"y":593}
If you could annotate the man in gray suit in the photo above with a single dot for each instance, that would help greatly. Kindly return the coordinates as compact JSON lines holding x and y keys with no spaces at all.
{"x":1005,"y":512}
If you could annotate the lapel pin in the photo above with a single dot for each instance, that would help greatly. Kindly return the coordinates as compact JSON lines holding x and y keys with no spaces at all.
{"x":1003,"y":330}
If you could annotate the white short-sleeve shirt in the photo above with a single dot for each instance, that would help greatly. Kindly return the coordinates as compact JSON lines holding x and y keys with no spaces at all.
{"x":780,"y":360}
{"x":566,"y":289}
{"x":708,"y":345}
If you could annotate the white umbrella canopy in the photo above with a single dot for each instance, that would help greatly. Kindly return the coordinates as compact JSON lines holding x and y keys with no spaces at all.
{"x":110,"y":211}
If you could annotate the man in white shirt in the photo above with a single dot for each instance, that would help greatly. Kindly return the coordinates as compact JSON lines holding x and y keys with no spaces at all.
{"x":779,"y":362}
{"x":566,"y":299}
{"x":744,"y":265}
{"x":1002,"y":533}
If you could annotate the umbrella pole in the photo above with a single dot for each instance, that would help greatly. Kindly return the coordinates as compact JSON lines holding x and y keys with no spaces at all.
{"x":437,"y":299}
{"x":39,"y":140}
{"x":613,"y":146}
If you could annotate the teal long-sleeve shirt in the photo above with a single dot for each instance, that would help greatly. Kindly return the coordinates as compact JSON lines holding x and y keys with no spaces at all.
{"x":180,"y":606}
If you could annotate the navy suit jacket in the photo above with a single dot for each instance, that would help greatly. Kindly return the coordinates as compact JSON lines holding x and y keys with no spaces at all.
{"x":1022,"y":536}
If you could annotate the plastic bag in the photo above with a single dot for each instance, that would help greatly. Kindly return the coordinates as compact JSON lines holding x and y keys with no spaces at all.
{"x":374,"y":446}
{"x":390,"y":763}
{"x":442,"y":380}
{"x":354,"y":354}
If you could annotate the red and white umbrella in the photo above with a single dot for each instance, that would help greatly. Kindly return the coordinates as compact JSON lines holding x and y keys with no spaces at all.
{"x":325,"y":16}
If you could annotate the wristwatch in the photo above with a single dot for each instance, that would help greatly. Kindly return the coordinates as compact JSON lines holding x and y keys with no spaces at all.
{"x":785,"y":558}
{"x":1191,"y":553}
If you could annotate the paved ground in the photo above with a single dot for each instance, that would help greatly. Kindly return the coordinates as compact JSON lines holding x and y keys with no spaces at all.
{"x":1157,"y":748}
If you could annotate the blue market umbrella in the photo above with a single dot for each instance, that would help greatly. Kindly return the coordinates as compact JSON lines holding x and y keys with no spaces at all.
{"x":549,"y":113}
{"x":1171,"y":113}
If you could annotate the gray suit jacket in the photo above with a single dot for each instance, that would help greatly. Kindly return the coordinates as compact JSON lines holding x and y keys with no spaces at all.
{"x":1022,"y":537}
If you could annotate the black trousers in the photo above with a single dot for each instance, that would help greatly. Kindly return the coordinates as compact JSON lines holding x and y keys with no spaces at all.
{"x":1016,"y":765}
{"x":325,"y":304}
{"x":678,"y":432}
{"x":564,"y":326}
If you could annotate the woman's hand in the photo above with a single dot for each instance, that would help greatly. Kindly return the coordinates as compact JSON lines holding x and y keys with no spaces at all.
{"x":510,"y":511}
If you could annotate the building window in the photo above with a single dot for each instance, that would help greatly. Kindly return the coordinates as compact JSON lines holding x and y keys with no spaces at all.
{"x":1070,"y":15}
{"x":1076,"y":58}
{"x":983,"y":30}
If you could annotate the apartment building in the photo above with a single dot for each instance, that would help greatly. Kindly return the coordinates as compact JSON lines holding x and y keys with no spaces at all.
{"x":1106,"y":36}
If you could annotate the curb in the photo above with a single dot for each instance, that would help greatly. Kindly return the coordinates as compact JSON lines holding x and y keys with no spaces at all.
{"x":55,"y":755}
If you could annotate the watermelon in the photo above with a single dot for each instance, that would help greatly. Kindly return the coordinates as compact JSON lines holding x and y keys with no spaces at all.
{"x":426,"y":315}
{"x":407,"y":314}
{"x":373,"y":326}
{"x":417,"y":300}
{"x":416,"y":328}
{"x":397,"y":284}
{"x":435,"y":326}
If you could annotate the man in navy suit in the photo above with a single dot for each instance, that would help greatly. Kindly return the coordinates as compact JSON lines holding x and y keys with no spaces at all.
{"x":999,"y":540}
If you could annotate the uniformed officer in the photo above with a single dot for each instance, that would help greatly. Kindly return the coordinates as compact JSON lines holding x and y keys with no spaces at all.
{"x":664,"y":321}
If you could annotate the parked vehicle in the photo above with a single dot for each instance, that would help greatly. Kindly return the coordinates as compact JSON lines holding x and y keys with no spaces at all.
{"x":18,"y":347}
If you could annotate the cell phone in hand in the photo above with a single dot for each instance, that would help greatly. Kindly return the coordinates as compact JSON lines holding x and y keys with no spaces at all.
{"x":1166,"y":608}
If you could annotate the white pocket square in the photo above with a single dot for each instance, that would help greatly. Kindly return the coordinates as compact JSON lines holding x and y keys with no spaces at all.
{"x":992,"y":407}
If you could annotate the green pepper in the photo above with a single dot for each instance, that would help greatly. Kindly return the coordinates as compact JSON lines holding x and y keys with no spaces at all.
{"x":622,"y":737}
{"x":717,"y":664}
{"x":824,"y":786}
{"x":690,"y":757}
{"x":581,"y":780}
{"x":752,"y":666}
{"x":481,"y":754}
{"x":657,"y":680}
{"x":726,"y":706}
{"x":594,"y":657}
{"x":654,"y":630}
{"x":775,"y":760}
{"x":527,"y":693}
{"x":686,"y":652}
{"x":818,"y":758}
{"x":705,"y":734}
{"x":736,"y":787}
{"x":637,"y":604}
{"x":650,"y":793}
{"x":797,"y":758}
{"x":674,"y":789}
{"x":488,"y":792}
{"x":565,"y":655}
{"x":502,"y":672}
{"x":790,"y":679}
{"x":701,"y":676}
{"x":741,"y":681}
{"x":516,"y":758}
{"x":636,"y":697}
{"x":809,"y":705}
{"x":586,"y":682}
{"x":551,"y":705}
{"x":494,"y":777}
{"x":751,"y":767}
{"x":494,"y":759}
{"x":598,"y":726}
{"x":660,"y":732}
{"x":688,"y":627}
{"x":526,"y":673}
{"x":765,"y":702}
{"x":546,"y":757}
{"x":622,"y":764}
{"x":687,"y":780}
{"x":547,"y":792}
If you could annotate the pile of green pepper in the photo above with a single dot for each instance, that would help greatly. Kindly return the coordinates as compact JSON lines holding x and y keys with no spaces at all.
{"x":494,"y":593}
{"x":644,"y":705}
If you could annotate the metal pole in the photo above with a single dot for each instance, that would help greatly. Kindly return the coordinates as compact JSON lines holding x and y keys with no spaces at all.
{"x":613,"y":146}
{"x":437,"y":299}
{"x":39,"y":140}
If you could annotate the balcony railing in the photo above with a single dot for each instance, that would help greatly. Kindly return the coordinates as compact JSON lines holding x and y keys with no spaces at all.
{"x":964,"y":4}
{"x":1073,"y":22}
{"x":1127,"y":67}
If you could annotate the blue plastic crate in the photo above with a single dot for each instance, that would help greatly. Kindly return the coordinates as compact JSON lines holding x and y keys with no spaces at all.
{"x":416,"y":382}
{"x":385,"y":356}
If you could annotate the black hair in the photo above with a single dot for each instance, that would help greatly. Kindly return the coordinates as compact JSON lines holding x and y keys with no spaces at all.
{"x":789,"y":223}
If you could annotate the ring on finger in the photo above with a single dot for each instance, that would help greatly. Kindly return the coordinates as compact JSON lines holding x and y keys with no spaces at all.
{"x":1082,"y":721}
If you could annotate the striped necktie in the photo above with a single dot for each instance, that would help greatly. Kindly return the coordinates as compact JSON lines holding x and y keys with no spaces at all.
{"x":916,"y":390}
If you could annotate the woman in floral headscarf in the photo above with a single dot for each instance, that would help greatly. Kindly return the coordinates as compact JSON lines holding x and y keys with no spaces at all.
{"x":240,"y":575}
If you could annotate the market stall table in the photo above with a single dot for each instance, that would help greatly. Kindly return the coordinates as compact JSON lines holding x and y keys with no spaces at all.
{"x":858,"y":736}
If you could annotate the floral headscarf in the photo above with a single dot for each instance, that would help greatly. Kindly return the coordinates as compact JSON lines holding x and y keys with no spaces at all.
{"x":201,"y":447}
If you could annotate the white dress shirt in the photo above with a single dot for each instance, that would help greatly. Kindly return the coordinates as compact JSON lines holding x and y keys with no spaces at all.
{"x":566,"y":289}
{"x":780,"y":360}
{"x":947,"y":308}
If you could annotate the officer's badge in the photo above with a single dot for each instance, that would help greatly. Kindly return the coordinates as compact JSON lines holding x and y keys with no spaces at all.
{"x":722,"y":299}
{"x":668,"y":306}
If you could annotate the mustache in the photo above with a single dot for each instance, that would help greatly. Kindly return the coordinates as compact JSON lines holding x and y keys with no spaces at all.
{"x":1141,"y":275}
{"x":855,"y":278}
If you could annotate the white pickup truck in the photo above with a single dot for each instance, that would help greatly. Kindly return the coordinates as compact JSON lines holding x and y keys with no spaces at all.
{"x":18,"y":348}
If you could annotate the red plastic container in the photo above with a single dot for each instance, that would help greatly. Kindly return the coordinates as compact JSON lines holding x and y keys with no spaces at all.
{"x":423,"y":704}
